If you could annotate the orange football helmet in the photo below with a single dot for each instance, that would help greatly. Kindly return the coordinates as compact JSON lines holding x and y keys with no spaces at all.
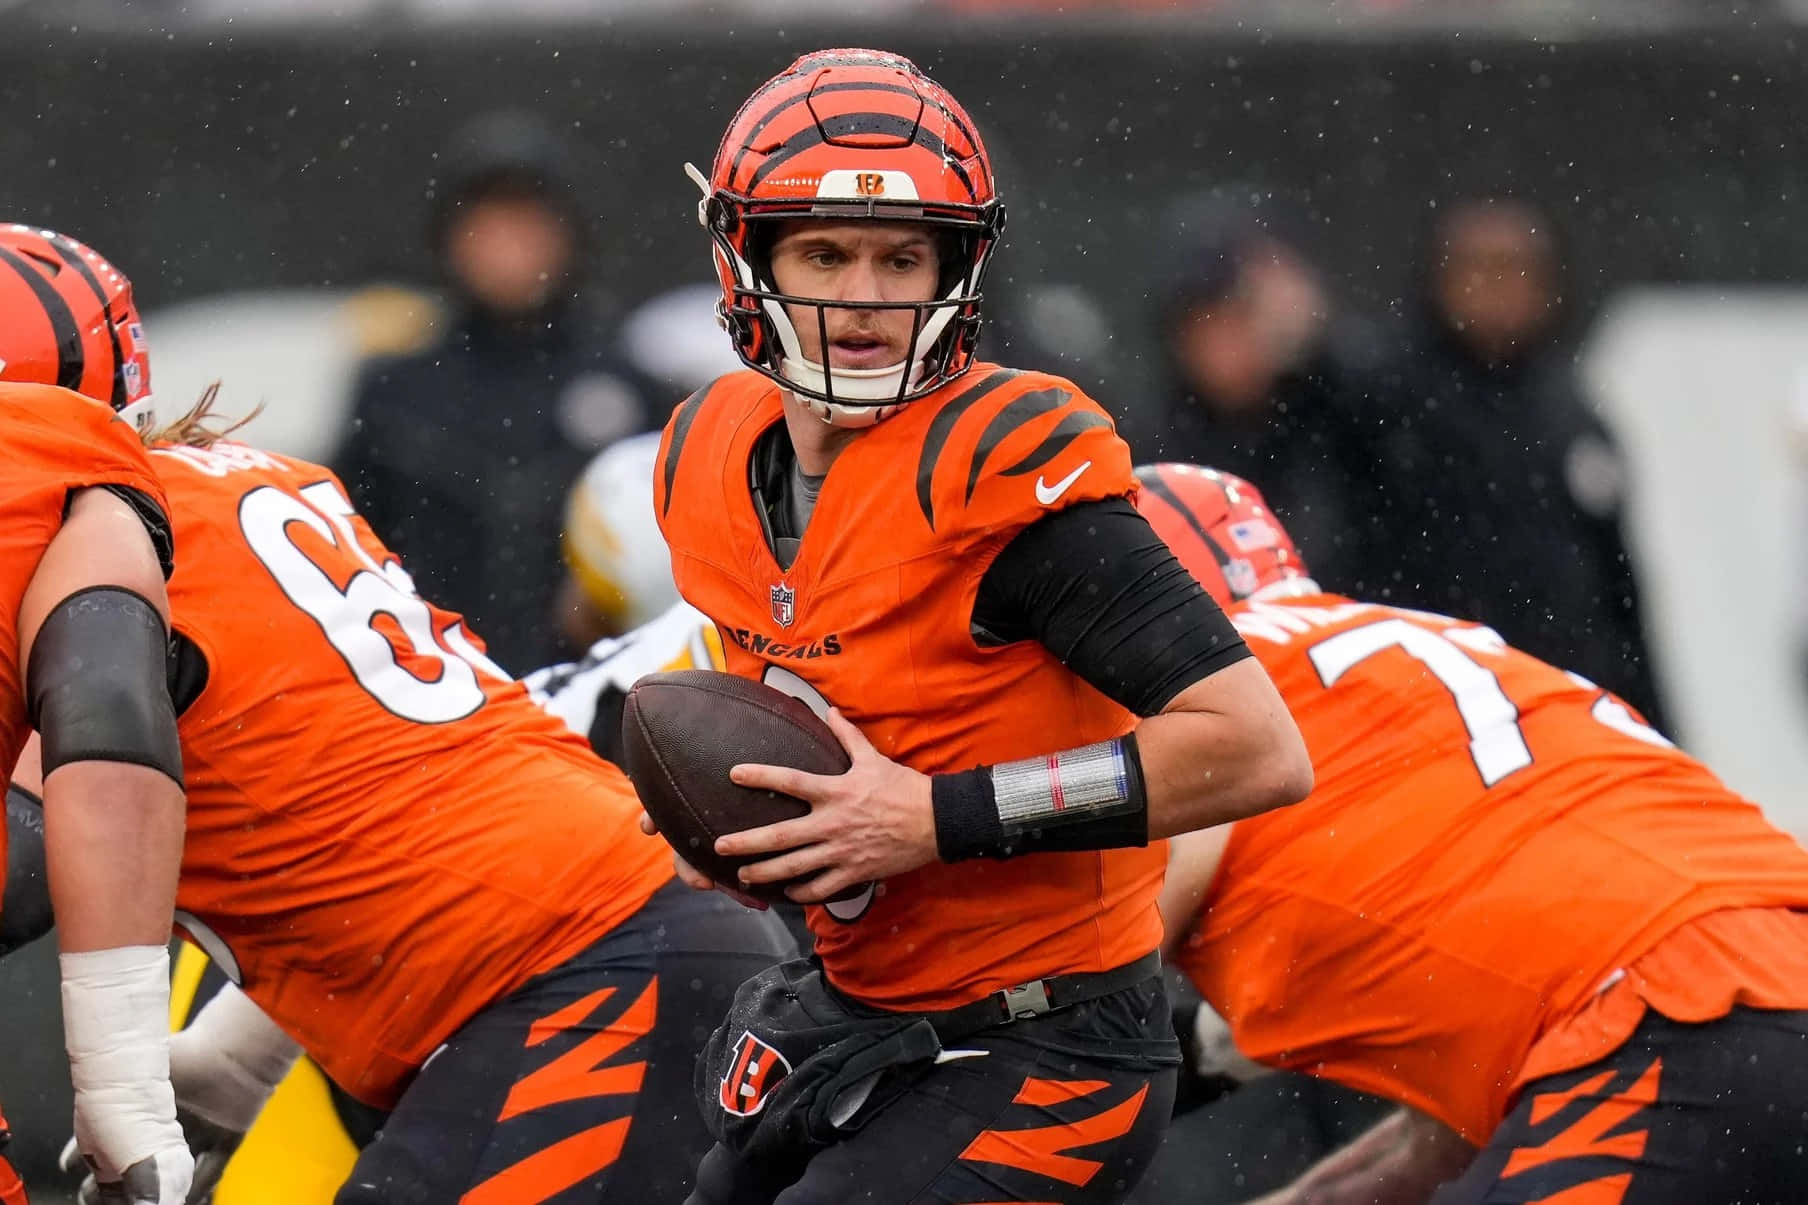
{"x":67,"y":318}
{"x":1221,"y":530}
{"x":851,"y":134}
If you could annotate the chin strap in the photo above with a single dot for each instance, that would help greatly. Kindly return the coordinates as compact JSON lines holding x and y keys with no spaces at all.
{"x":868,"y":384}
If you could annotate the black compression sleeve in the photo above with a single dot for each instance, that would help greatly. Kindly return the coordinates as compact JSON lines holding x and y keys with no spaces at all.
{"x":1095,"y":586}
{"x":97,"y":685}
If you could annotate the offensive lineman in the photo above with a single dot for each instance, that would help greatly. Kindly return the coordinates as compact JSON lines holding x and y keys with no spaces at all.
{"x":1508,"y":905}
{"x":299,"y":1147}
{"x":426,"y":882}
{"x":84,"y":549}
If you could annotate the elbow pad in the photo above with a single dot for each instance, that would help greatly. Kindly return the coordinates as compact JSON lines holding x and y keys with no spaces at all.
{"x":97,"y":685}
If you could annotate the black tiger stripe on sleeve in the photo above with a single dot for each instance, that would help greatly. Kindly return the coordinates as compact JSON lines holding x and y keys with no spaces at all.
{"x":1016,"y":414}
{"x":942,"y":426}
{"x":1065,"y":432}
{"x":681,"y":429}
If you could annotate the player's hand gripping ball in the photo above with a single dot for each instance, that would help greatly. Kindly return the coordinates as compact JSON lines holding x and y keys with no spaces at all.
{"x":684,"y":730}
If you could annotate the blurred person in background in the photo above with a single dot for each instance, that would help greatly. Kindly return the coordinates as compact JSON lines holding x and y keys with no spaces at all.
{"x":1267,"y":382}
{"x":1502,"y":491}
{"x":460,"y":454}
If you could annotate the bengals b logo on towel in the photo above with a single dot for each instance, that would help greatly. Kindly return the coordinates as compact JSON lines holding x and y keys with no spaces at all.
{"x":754,"y":1071}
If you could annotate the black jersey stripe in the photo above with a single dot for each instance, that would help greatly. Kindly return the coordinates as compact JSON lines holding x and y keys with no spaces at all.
{"x":71,"y":362}
{"x":1018,"y":412}
{"x":1065,"y":432}
{"x":681,"y":429}
{"x":942,"y":426}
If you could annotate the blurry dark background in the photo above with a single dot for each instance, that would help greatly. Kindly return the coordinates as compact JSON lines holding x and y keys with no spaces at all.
{"x":205,"y":158}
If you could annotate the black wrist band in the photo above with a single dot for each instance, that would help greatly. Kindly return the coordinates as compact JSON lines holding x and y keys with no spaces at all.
{"x":968,"y":823}
{"x":966,"y":816}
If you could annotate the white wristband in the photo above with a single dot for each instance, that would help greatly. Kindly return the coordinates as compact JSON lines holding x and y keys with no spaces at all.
{"x":229,"y":1060}
{"x":116,"y":1030}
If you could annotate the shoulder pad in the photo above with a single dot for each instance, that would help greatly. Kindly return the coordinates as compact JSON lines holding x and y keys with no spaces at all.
{"x":1015,"y":445}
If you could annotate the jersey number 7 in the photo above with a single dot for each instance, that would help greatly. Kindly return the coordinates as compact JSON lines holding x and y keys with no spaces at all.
{"x":1496,"y":744}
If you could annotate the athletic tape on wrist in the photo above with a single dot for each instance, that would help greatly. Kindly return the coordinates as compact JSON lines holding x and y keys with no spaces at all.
{"x":116,"y":1031}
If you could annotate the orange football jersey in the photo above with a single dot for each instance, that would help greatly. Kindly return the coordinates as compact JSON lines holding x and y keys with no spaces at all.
{"x":874,"y":617}
{"x":1490,"y":839}
{"x":384,"y":833}
{"x":53,"y":441}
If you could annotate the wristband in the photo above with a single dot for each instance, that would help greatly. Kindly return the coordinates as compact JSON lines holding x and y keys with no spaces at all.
{"x":1082,"y":799}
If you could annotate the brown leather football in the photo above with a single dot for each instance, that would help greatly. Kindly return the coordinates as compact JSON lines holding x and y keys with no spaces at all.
{"x":684,"y":730}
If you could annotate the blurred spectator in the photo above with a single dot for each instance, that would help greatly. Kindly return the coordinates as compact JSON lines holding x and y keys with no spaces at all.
{"x":1504,"y":491}
{"x":618,"y":573}
{"x":460,"y":454}
{"x":1268,"y":384}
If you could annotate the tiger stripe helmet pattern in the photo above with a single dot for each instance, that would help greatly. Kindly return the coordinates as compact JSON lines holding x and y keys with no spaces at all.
{"x":1220,"y":528}
{"x":851,"y":135}
{"x":67,"y":319}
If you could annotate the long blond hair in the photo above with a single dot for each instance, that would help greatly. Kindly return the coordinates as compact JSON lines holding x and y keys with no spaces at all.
{"x":195,"y":428}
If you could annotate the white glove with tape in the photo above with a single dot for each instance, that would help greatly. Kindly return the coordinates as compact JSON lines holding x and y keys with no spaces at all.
{"x":116,"y":1030}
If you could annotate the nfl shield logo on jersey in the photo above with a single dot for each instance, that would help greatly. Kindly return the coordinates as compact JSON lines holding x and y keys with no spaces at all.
{"x":784,"y":605}
{"x":754,"y":1070}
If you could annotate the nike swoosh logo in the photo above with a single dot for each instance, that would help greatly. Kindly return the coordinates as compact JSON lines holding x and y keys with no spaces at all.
{"x":1048,"y":494}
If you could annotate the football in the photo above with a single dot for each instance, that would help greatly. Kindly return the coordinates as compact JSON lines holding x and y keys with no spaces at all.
{"x":682,"y":731}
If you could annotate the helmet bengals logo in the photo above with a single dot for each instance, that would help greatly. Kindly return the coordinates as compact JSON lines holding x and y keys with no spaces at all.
{"x":869,"y":184}
{"x":754,"y":1070}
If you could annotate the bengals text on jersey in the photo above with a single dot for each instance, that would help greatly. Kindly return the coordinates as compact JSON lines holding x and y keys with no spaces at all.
{"x":873,"y":617}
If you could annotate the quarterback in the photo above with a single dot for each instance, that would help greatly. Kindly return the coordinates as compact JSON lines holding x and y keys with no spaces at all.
{"x":941,"y":556}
